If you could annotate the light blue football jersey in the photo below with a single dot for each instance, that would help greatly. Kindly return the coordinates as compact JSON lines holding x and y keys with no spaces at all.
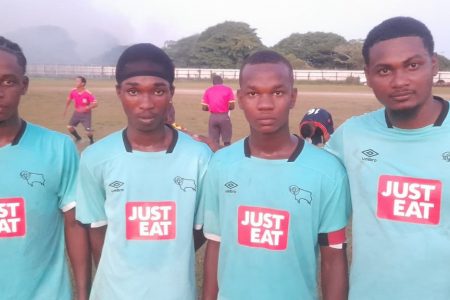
{"x":38,"y":183}
{"x":150,"y":201}
{"x":400,"y":187}
{"x":268,"y":215}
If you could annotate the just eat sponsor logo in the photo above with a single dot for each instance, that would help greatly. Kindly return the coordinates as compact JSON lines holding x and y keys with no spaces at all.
{"x":150,"y":220}
{"x":407,"y":199}
{"x":12,"y":217}
{"x":263,"y":227}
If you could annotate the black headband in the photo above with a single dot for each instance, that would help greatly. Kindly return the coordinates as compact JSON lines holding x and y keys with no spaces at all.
{"x":127,"y":75}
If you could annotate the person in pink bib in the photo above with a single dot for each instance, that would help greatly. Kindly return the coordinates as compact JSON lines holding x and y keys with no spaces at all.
{"x":219,"y":100}
{"x":84,"y":102}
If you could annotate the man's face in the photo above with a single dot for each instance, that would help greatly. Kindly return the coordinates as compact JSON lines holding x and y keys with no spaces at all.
{"x":400,"y":73}
{"x":145,"y":100}
{"x":79,"y":83}
{"x":266,"y":95}
{"x":13,"y":84}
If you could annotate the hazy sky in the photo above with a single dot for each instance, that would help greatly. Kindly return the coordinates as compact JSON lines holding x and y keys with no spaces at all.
{"x":157,"y":21}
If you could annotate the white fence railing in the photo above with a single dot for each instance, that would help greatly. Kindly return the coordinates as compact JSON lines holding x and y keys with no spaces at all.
{"x":107,"y":72}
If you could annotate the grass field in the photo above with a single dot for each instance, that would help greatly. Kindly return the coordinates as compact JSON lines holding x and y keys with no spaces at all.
{"x":45,"y":101}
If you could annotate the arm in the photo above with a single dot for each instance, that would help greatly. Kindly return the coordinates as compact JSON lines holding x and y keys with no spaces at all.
{"x":231,"y":105}
{"x":210,"y":285}
{"x":334,"y":273}
{"x":205,"y":107}
{"x":77,"y":245}
{"x":199,"y":239}
{"x":67,"y":105}
{"x":96,"y":239}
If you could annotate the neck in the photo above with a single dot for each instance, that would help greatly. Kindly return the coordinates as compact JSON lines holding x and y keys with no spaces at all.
{"x":150,"y":141}
{"x":417,"y":117}
{"x":272,"y":146}
{"x":9,"y":130}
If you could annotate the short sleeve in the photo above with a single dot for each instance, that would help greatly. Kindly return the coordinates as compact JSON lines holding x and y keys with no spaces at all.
{"x":231,"y":96}
{"x":90,"y":194}
{"x":67,"y":185}
{"x":210,"y":200}
{"x":336,"y":207}
{"x":199,"y":209}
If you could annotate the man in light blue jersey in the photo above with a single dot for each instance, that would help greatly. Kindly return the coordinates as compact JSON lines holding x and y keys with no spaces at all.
{"x":272,"y":201}
{"x":37,"y":199}
{"x":141,"y":186}
{"x":398,"y":163}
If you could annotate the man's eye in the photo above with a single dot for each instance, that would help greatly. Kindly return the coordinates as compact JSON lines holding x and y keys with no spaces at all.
{"x":132,"y":92}
{"x":159,"y":92}
{"x":8,"y":82}
{"x":413,"y":66}
{"x":278,"y":93}
{"x":383,"y":71}
{"x":252,"y":93}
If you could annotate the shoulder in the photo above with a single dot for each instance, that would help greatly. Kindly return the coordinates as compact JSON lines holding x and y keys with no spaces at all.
{"x":229,"y":155}
{"x":321,"y":162}
{"x":104,"y":148}
{"x":46,"y":133}
{"x":190,"y":146}
{"x":88,"y":92}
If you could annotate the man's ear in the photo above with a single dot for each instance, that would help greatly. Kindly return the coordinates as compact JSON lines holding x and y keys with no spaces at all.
{"x":118,"y":89}
{"x":366,"y":73}
{"x":25,"y":82}
{"x":293,"y":98}
{"x":239,"y":96}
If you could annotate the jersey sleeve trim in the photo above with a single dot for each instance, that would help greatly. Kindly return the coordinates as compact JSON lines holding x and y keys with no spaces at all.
{"x":332,"y":238}
{"x":68,"y":206}
{"x":99,"y":224}
{"x":198,"y":226}
{"x":212,"y":237}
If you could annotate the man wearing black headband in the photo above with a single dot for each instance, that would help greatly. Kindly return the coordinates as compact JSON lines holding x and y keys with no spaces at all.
{"x":144,"y":183}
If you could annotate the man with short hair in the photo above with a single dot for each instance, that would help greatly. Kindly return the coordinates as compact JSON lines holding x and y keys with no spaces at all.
{"x":219,"y":100}
{"x":272,"y":201}
{"x":141,"y":186}
{"x":398,"y":170}
{"x":37,"y":199}
{"x":84,"y":102}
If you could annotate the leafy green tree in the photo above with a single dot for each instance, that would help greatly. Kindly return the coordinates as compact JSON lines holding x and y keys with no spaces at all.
{"x":315,"y":48}
{"x":444,"y":63}
{"x":182,"y":50}
{"x":224,"y":45}
{"x":349,"y":56}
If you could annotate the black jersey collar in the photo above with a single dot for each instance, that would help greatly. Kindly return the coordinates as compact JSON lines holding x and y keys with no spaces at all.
{"x":172,"y":145}
{"x":19,"y":134}
{"x":440,"y":119}
{"x":298,"y":149}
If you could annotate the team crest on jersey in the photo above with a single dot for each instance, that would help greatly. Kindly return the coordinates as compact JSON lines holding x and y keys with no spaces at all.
{"x":300,"y":194}
{"x":12,"y":217}
{"x":446,"y":156}
{"x":369,"y":155}
{"x":33,"y":178}
{"x":411,"y":200}
{"x":185,"y":184}
{"x":116,"y":185}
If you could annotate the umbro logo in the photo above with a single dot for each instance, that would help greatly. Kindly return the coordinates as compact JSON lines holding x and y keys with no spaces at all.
{"x":116,"y":186}
{"x":230,"y":185}
{"x":369,"y":154}
{"x":446,"y":156}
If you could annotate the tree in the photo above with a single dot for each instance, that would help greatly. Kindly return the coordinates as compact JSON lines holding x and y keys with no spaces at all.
{"x":349,"y":55}
{"x":224,"y":45}
{"x":315,"y":48}
{"x":182,"y":50}
{"x":444,"y":63}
